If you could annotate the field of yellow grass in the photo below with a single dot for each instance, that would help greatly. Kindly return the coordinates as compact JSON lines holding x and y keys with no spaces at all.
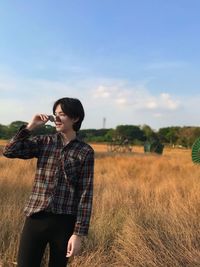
{"x":3,"y":142}
{"x":146,"y":210}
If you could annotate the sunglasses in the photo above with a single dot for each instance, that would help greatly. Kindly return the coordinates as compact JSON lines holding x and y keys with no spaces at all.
{"x":52,"y":118}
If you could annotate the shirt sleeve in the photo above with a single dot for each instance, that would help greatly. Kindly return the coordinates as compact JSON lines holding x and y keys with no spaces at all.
{"x":22,"y":145}
{"x":85,"y":193}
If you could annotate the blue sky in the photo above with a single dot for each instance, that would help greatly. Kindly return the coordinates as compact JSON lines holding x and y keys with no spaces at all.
{"x":132,"y":62}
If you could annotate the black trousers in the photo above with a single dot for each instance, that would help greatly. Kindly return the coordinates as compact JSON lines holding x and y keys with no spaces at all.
{"x":41,"y":229}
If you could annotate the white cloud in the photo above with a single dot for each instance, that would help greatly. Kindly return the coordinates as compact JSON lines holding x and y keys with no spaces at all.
{"x":168,"y":102}
{"x":158,"y":115}
{"x":137,"y":96}
{"x":121,"y":101}
{"x":118,"y":101}
{"x":151,"y":104}
{"x":101,"y":92}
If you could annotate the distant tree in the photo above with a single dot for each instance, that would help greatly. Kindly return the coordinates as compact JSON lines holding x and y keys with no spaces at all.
{"x":130,"y":132}
{"x":45,"y":129}
{"x":17,"y":124}
{"x":149,"y":133}
{"x":3,"y":132}
{"x":172,"y":135}
{"x":187,"y":135}
{"x":93,"y":135}
{"x":184,"y":136}
{"x":169,"y":134}
{"x":196,"y":133}
{"x":14,"y":126}
{"x":110,"y":135}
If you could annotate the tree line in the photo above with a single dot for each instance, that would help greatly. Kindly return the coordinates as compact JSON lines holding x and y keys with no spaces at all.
{"x":135,"y":134}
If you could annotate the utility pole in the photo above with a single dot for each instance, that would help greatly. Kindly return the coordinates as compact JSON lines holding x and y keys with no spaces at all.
{"x":104,"y":123}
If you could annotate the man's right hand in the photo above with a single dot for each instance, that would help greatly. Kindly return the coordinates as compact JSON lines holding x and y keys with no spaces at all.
{"x":37,"y":121}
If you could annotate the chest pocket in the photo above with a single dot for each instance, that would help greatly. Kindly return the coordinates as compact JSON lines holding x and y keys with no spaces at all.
{"x":72,"y":170}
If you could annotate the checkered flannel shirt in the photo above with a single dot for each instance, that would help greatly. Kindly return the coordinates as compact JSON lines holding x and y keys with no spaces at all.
{"x":63,"y":181}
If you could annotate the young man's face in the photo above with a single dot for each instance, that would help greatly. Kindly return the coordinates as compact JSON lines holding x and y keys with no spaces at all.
{"x":63,"y":123}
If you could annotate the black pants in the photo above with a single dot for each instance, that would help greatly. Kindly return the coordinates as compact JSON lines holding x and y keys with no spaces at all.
{"x":39,"y":230}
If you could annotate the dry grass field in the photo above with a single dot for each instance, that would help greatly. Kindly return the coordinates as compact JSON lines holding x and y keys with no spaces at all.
{"x":146,"y":210}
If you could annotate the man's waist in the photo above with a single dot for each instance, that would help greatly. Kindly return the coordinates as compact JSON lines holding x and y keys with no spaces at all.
{"x":46,"y":213}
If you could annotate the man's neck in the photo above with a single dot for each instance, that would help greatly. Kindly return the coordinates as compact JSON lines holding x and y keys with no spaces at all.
{"x":67,"y":137}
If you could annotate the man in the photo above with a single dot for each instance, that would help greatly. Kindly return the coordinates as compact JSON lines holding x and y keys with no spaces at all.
{"x":59,"y":208}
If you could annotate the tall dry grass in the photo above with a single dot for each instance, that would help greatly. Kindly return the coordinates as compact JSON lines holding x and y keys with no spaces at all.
{"x":146,"y":210}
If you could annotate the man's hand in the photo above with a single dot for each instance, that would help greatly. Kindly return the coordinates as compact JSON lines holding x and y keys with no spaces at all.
{"x":37,"y":121}
{"x":74,"y":245}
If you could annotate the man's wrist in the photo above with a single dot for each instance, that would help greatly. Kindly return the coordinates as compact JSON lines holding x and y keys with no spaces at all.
{"x":79,"y":236}
{"x":30,"y":127}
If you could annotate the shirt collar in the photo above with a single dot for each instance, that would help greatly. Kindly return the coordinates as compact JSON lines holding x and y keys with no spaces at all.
{"x":76,"y":139}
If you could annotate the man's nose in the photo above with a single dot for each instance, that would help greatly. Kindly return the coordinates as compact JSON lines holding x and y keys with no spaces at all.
{"x":57,"y":118}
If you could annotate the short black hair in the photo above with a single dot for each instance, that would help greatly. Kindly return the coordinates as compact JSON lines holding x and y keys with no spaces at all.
{"x":73,"y":108}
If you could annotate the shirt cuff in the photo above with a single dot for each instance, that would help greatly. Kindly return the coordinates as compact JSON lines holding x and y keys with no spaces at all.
{"x":22,"y":133}
{"x":80,"y":230}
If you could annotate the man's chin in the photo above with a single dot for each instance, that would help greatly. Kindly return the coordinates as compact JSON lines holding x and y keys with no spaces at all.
{"x":58,"y":129}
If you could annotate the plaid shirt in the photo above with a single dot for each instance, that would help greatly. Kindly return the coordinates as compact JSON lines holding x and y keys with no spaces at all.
{"x":64,"y":177}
